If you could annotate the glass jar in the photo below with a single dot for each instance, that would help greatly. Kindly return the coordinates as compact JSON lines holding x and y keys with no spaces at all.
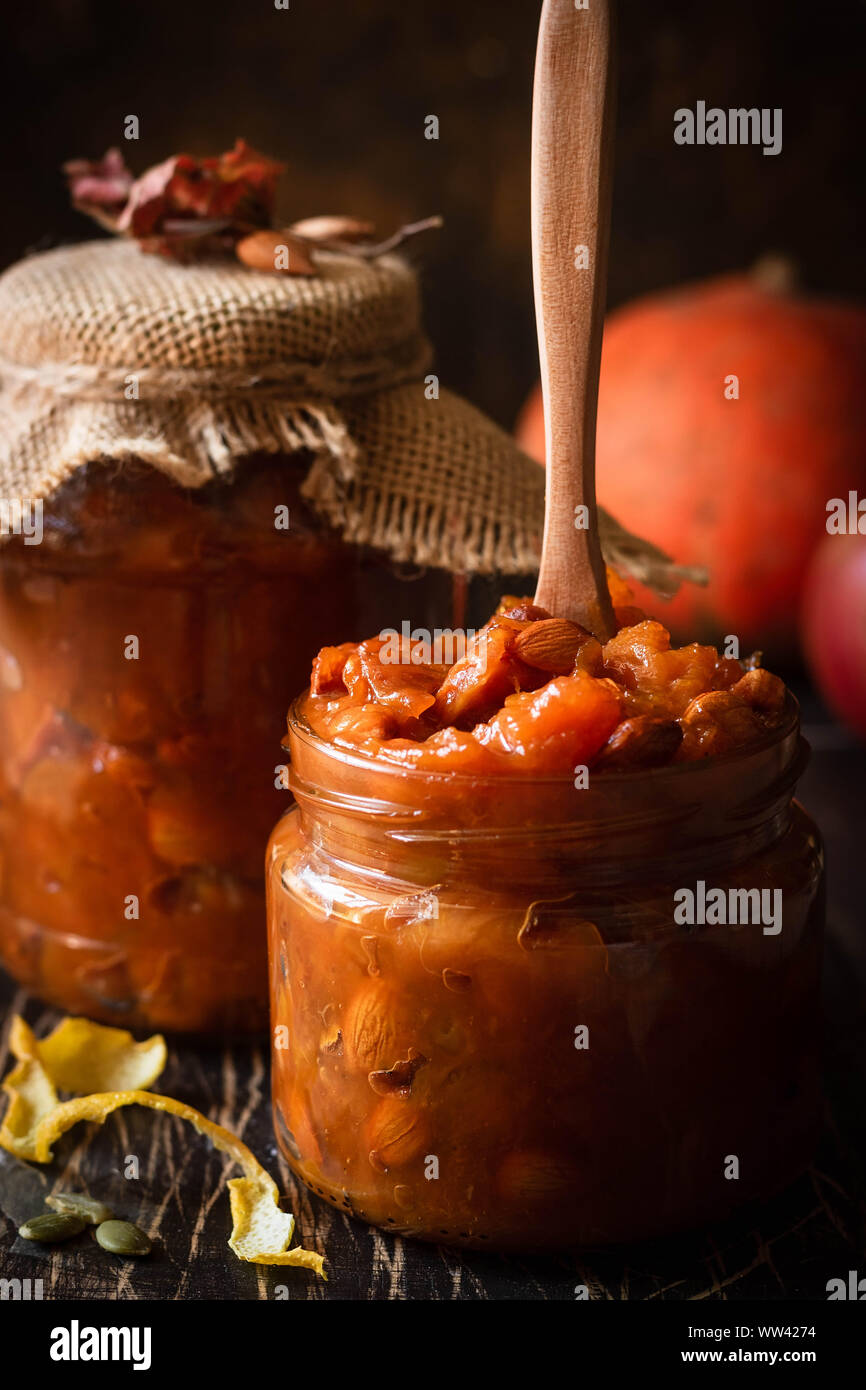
{"x":148,"y":649}
{"x":493,"y":1024}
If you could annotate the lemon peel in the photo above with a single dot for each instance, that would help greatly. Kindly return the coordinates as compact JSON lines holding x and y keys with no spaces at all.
{"x":31,"y":1098}
{"x":82,"y":1056}
{"x":77,"y":1056}
{"x":35,"y":1119}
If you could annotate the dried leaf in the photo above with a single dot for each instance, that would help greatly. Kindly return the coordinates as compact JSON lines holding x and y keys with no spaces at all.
{"x":188,"y":207}
{"x":149,"y":199}
{"x":179,"y":206}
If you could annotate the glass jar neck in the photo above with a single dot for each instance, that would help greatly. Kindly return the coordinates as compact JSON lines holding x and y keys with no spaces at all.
{"x":548,"y":834}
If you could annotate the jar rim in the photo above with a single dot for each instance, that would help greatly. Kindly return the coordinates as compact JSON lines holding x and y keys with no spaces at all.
{"x":300,"y":728}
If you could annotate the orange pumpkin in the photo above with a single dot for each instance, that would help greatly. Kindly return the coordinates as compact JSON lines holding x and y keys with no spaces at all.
{"x":731,"y":474}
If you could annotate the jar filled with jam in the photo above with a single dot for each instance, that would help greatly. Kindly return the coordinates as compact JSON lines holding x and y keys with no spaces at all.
{"x":545,"y":934}
{"x":145,"y":647}
{"x":204,"y":473}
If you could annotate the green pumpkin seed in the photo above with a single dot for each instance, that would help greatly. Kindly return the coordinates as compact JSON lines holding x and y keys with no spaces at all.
{"x":122,"y":1238}
{"x":51,"y":1227}
{"x":90,"y":1211}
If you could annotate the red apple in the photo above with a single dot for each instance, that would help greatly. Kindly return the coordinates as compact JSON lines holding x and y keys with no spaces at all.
{"x":834,"y":626}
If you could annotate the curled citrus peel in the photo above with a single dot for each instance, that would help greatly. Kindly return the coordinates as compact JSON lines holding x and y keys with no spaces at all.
{"x":80,"y":1051}
{"x":83,"y":1056}
{"x":78,"y":1056}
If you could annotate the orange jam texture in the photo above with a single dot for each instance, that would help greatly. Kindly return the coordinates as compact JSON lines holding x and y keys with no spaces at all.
{"x":538,"y":694}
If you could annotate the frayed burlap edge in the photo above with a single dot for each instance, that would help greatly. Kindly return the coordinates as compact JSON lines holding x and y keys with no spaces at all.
{"x":428,"y":482}
{"x":438,"y":483}
{"x":191,"y":446}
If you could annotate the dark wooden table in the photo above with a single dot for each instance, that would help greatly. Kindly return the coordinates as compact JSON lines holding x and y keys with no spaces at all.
{"x":784,"y":1249}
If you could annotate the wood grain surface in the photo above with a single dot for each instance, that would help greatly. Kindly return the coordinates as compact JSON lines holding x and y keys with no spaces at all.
{"x":786,"y":1248}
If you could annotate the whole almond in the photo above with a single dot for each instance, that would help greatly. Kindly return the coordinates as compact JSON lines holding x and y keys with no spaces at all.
{"x":333,"y":229}
{"x":396,"y":1133}
{"x":369,"y":1031}
{"x":276,"y":250}
{"x":551,"y":645}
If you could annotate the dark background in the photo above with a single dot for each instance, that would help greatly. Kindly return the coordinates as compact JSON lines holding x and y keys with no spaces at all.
{"x":339,"y":89}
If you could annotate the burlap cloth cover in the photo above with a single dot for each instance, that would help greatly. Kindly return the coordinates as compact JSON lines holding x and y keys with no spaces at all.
{"x":107,"y":353}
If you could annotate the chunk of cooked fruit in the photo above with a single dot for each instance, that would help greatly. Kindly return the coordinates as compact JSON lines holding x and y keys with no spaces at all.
{"x":559,"y":727}
{"x":521,"y":609}
{"x":621,"y":596}
{"x":360,"y":724}
{"x":641,"y":742}
{"x":327,"y":677}
{"x":658,"y":679}
{"x":538,"y":694}
{"x":590,"y":658}
{"x":620,"y":592}
{"x":388,"y":675}
{"x":716,"y":723}
{"x":448,"y":750}
{"x":728,"y":672}
{"x":477,"y":684}
{"x":762,"y":690}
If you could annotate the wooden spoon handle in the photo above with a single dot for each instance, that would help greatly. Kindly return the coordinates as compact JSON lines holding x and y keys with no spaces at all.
{"x":572,"y":139}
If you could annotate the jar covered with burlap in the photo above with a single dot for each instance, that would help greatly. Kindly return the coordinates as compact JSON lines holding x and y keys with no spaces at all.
{"x":200,"y":465}
{"x":206,"y":473}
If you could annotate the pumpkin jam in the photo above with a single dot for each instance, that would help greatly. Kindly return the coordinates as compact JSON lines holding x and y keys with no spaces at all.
{"x":136,"y":782}
{"x":489,"y":1026}
{"x":539,"y":695}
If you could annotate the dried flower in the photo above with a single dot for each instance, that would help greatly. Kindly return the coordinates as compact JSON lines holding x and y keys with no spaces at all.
{"x":187,"y":207}
{"x":235,"y":190}
{"x":181,"y":201}
{"x":100,"y":188}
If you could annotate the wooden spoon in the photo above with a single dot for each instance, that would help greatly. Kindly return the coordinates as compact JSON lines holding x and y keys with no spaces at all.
{"x":572,"y":138}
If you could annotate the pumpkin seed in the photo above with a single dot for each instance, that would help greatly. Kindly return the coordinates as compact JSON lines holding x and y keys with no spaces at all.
{"x":51,"y":1227}
{"x":122,"y":1238}
{"x":90,"y":1211}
